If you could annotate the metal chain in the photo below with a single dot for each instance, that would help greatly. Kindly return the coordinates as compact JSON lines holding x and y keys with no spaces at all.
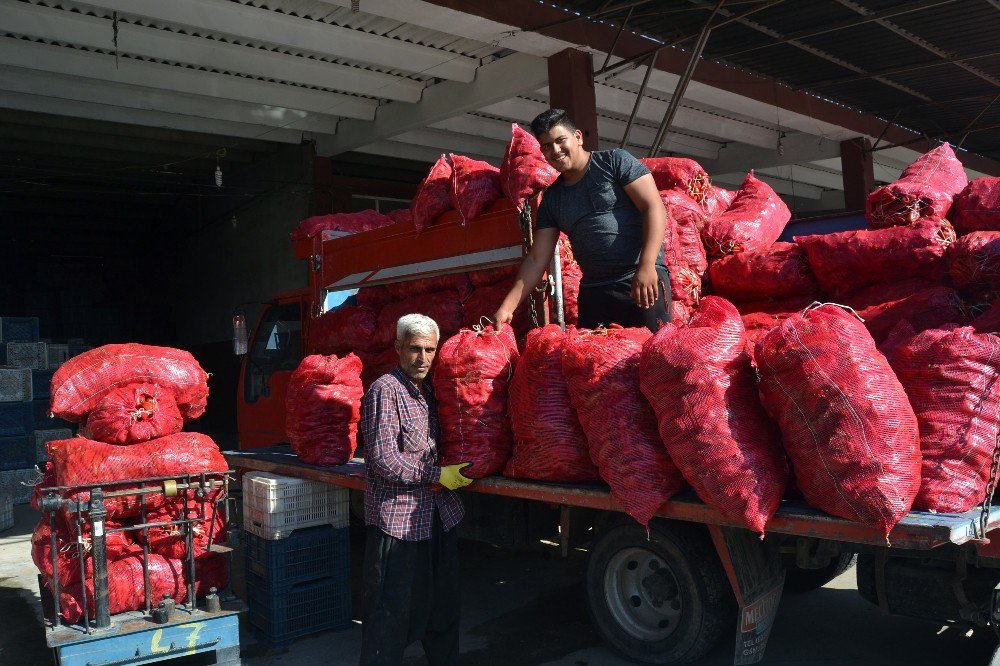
{"x":991,"y":486}
{"x":527,"y":234}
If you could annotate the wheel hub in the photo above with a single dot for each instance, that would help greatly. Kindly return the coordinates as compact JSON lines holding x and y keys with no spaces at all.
{"x":642,"y":594}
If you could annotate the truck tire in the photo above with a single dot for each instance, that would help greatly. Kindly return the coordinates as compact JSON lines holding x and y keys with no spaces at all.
{"x":664,"y":599}
{"x":799,"y":581}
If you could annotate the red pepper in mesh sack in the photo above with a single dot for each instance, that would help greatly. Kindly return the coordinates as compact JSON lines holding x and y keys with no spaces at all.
{"x":323,"y":407}
{"x":475,"y":186}
{"x":700,"y":382}
{"x":926,"y":188}
{"x":117,"y":544}
{"x":472,"y":373}
{"x":768,"y":314}
{"x":169,"y":540}
{"x":680,"y":313}
{"x":753,"y":221}
{"x":82,"y":382}
{"x":849,"y":260}
{"x":602,"y":375}
{"x":951,"y":378}
{"x":444,"y":307}
{"x":975,"y":261}
{"x":571,"y":277}
{"x":376,"y":364}
{"x":348,"y":328}
{"x":780,"y":271}
{"x":373,"y":298}
{"x":844,"y":418}
{"x":685,"y":220}
{"x":484,"y":301}
{"x":347,"y":223}
{"x":400,"y":216}
{"x":489,"y":276}
{"x":989,"y":320}
{"x":685,"y":285}
{"x":717,"y":201}
{"x":408,"y":289}
{"x":922,"y":304}
{"x":549,"y":444}
{"x":433,"y":196}
{"x":132,"y":414}
{"x":524,"y":171}
{"x":977,"y":207}
{"x":680,"y":173}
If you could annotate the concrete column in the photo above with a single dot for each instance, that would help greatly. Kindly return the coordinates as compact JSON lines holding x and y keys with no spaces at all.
{"x":858,"y":172}
{"x":571,"y":87}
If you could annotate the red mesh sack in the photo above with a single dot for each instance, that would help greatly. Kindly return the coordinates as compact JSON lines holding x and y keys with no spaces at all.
{"x":681,"y":173}
{"x":82,"y":382}
{"x":67,"y":559}
{"x":169,"y":540}
{"x":400,"y":216}
{"x":475,"y":186}
{"x":455,"y":281}
{"x":127,"y":587}
{"x":346,"y":223}
{"x":951,"y":378}
{"x":524,"y":171}
{"x":602,"y":376}
{"x":433,"y":196}
{"x":853,"y":259}
{"x":680,"y":313}
{"x":988,"y":321}
{"x":768,"y":314}
{"x":920,"y":303}
{"x":484,"y":302}
{"x":751,"y":223}
{"x":472,"y":374}
{"x":444,"y":307}
{"x":926,"y":188}
{"x":718,"y":201}
{"x":975,"y":260}
{"x":549,"y":444}
{"x":703,"y":389}
{"x":781,"y":271}
{"x":348,"y":328}
{"x":844,"y":418}
{"x":977,"y":207}
{"x":323,"y":407}
{"x":490,"y":276}
{"x":685,"y":286}
{"x":685,"y":219}
{"x":373,"y":297}
{"x":376,"y":364}
{"x":571,"y":277}
{"x":901,"y":333}
{"x":132,"y":414}
{"x":47,"y":481}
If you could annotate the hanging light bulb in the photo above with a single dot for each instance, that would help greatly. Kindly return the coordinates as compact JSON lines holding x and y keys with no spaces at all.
{"x":218,"y":176}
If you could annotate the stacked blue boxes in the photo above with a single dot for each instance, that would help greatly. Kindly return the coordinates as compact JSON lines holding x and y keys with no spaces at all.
{"x":17,"y":442}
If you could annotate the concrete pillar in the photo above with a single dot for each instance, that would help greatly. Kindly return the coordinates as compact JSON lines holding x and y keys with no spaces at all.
{"x":858,"y":172}
{"x":571,"y":87}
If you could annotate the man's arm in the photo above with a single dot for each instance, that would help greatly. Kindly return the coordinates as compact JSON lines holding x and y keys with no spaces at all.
{"x":530,"y":273}
{"x":642,"y":192}
{"x":380,"y":426}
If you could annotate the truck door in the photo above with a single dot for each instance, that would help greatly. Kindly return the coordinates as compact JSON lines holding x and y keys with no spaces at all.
{"x":274,"y":352}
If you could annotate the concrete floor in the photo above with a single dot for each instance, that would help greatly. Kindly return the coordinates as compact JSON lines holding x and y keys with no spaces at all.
{"x":527,"y":608}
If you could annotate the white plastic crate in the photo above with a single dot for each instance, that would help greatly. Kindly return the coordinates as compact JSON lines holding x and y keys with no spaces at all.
{"x":274,"y":506}
{"x":6,"y":512}
{"x":15,"y":385}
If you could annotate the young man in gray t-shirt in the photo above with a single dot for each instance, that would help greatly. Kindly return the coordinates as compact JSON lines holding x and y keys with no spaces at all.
{"x":607,"y":203}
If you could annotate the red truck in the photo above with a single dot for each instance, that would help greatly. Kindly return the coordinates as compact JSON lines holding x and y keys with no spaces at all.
{"x":670,"y":595}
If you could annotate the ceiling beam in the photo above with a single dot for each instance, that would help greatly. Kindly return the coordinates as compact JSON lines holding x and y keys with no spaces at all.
{"x":779,"y":185}
{"x":798,"y":173}
{"x":460,"y":144}
{"x":408,"y":151}
{"x":93,"y":32}
{"x":795,"y":148}
{"x":501,"y":79}
{"x":271,"y":27}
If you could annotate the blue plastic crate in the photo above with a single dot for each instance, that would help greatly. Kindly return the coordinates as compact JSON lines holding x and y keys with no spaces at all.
{"x":306,"y":554}
{"x":18,"y":329}
{"x":16,"y":418}
{"x":17,"y":452}
{"x":41,"y":383}
{"x":41,"y":416}
{"x":278,"y":617}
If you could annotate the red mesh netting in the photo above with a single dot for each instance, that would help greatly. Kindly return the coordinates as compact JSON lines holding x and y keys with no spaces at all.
{"x":602,"y":375}
{"x":918,"y":302}
{"x":454,"y":281}
{"x":768,"y":314}
{"x":82,"y":381}
{"x":844,"y":418}
{"x":348,"y":328}
{"x":127,"y":587}
{"x":169,"y":540}
{"x":524,"y":171}
{"x":323,"y":407}
{"x":549,"y":444}
{"x":349,"y":223}
{"x":850,"y":260}
{"x":373,"y":297}
{"x":975,"y":260}
{"x":376,"y":364}
{"x":685,"y":285}
{"x":472,"y":373}
{"x":718,"y":201}
{"x":571,"y":276}
{"x":400,"y":216}
{"x":680,"y":313}
{"x":781,"y":271}
{"x":703,"y":389}
{"x":491,"y":276}
{"x":444,"y":307}
{"x":951,"y":380}
{"x":679,"y":173}
{"x":753,"y":221}
{"x":433,"y":196}
{"x":926,"y":188}
{"x":977,"y":207}
{"x":484,"y":302}
{"x":685,"y":220}
{"x":988,"y":321}
{"x":475,"y":185}
{"x":132,"y":414}
{"x":67,"y":559}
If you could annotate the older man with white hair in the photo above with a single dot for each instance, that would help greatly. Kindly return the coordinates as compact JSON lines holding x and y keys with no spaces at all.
{"x":411,"y":586}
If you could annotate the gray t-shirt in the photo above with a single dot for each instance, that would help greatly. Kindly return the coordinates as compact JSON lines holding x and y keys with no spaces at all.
{"x":603,"y":225}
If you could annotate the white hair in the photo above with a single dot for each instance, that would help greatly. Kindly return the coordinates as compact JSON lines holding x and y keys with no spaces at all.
{"x":416,"y":326}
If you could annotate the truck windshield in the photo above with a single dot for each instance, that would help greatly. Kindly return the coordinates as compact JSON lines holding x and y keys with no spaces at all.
{"x":277,"y":346}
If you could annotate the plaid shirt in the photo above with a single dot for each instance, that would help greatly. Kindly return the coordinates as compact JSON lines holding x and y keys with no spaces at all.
{"x":400,"y":427}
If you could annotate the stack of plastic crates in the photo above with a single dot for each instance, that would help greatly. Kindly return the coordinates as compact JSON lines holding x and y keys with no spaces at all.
{"x":297,"y":547}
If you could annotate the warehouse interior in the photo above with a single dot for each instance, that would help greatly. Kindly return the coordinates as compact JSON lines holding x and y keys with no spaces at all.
{"x":155,"y":156}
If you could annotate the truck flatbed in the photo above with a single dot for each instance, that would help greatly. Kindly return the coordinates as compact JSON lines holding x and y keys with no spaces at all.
{"x":918,"y":530}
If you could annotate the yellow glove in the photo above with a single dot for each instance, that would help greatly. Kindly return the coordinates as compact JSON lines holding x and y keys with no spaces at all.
{"x":451,"y":476}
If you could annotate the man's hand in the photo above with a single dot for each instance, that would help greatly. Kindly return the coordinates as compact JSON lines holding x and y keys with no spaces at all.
{"x":645,"y":286}
{"x":451,"y":476}
{"x":502,"y":316}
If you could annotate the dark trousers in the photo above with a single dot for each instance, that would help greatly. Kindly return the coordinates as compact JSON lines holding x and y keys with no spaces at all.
{"x":411,"y":593}
{"x":613,"y":304}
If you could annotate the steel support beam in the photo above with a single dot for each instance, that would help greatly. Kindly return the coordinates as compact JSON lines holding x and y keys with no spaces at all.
{"x":571,"y":87}
{"x":858,"y":172}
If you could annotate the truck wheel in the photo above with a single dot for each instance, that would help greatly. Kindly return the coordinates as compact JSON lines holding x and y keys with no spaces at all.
{"x":662,"y":599}
{"x":799,"y":581}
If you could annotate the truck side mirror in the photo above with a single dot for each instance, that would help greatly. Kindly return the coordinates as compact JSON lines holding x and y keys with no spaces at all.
{"x":239,"y":335}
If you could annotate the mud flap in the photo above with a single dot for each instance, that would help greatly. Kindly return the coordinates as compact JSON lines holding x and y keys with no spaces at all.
{"x":757,"y":576}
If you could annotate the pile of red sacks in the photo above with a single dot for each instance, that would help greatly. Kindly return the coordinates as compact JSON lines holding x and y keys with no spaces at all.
{"x":132,"y":401}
